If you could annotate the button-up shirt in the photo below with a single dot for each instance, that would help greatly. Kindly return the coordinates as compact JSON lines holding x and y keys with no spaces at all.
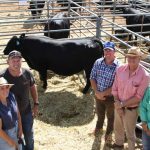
{"x":8,"y":114}
{"x":127,"y":87}
{"x":104,"y":74}
{"x":145,"y":108}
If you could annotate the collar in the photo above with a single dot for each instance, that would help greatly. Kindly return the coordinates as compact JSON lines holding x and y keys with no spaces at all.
{"x":115,"y":62}
{"x":135,"y":72}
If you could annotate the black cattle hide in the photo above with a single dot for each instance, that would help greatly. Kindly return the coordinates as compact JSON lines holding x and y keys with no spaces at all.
{"x":58,"y":25}
{"x":39,"y":5}
{"x":64,"y":57}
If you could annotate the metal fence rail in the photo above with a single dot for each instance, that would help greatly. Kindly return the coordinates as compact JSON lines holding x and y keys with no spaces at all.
{"x":19,"y":20}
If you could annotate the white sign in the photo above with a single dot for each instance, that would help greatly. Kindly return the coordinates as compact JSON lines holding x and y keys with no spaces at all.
{"x":22,"y":2}
{"x":96,"y":1}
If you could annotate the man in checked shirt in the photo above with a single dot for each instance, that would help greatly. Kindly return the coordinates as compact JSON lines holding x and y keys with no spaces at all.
{"x":102,"y":78}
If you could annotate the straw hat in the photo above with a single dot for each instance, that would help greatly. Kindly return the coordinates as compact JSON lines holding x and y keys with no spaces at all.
{"x":4,"y":82}
{"x":136,"y":52}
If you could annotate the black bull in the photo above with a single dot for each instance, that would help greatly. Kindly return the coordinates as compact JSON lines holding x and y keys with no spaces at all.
{"x":61,"y":23}
{"x":37,"y":7}
{"x":64,"y":57}
{"x":138,"y":19}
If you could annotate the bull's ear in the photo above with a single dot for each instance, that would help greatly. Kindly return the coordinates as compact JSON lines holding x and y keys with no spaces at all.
{"x":22,"y":35}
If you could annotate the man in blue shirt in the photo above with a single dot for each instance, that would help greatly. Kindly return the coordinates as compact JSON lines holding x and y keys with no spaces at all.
{"x":102,"y":77}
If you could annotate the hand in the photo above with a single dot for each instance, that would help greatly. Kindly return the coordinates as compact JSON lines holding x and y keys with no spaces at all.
{"x":118,"y":105}
{"x":144,"y":126}
{"x":100,"y":95}
{"x":20,"y":132}
{"x":148,"y":132}
{"x":35,"y":111}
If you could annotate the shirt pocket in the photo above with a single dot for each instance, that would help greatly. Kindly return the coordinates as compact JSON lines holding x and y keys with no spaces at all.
{"x":148,"y":106}
{"x":26,"y":83}
{"x":135,"y":86}
{"x":121,"y":83}
{"x":99,"y":74}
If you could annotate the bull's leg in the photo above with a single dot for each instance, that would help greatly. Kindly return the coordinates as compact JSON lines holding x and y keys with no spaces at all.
{"x":40,"y":12}
{"x":41,"y":6}
{"x":130,"y":37}
{"x":43,"y":77}
{"x":33,"y":13}
{"x":88,"y":84}
{"x":135,"y":43}
{"x":32,"y":6}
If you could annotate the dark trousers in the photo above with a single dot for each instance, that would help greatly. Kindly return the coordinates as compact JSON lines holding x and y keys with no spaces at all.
{"x":27,"y":126}
{"x":145,"y":140}
{"x":105,"y":107}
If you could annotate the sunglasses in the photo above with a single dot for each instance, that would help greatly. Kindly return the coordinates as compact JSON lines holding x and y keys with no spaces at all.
{"x":5,"y":87}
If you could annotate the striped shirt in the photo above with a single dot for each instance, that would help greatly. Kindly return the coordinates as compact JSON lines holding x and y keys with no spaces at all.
{"x":104,"y":74}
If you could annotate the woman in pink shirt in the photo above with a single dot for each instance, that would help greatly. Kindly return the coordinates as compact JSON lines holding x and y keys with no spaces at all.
{"x":128,"y":89}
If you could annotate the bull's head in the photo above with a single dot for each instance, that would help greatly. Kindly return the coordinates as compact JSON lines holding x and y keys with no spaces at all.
{"x":12,"y":44}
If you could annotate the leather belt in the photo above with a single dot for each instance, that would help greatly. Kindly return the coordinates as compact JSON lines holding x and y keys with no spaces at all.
{"x":130,"y":108}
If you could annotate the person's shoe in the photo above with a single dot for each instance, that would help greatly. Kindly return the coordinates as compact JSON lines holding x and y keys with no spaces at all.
{"x":108,"y":139}
{"x":115,"y":146}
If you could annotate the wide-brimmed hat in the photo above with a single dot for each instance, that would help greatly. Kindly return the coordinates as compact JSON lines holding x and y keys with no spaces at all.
{"x":4,"y":82}
{"x":136,"y":52}
{"x":14,"y":53}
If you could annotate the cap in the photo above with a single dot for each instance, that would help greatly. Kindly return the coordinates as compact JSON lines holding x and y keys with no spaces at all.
{"x":109,"y":45}
{"x":14,"y":53}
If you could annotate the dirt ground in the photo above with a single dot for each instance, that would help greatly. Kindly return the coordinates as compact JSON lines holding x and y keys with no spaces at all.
{"x":66,"y":116}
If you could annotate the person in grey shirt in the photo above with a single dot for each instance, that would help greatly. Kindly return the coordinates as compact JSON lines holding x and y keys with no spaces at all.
{"x":24,"y":85}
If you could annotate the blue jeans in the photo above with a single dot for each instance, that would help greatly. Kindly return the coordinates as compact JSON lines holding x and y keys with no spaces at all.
{"x":145,"y":141}
{"x":12,"y":133}
{"x":27,"y":126}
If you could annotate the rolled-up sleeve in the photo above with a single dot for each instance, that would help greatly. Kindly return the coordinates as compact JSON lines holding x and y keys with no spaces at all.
{"x":143,"y":107}
{"x":148,"y":125}
{"x":93,"y":74}
{"x":115,"y":85}
{"x":142,"y":87}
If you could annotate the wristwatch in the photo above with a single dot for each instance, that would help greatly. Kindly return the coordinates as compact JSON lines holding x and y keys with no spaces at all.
{"x":36,"y":103}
